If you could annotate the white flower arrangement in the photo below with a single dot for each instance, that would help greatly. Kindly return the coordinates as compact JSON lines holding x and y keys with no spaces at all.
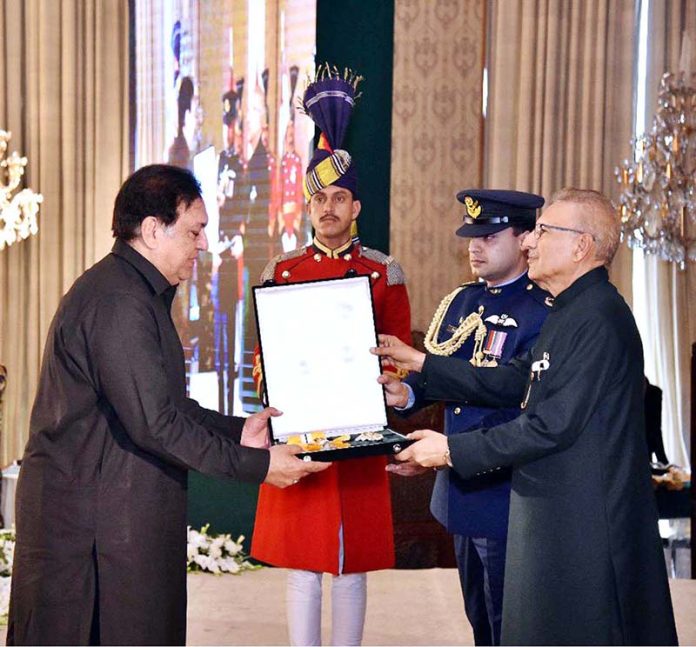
{"x":216,"y":553}
{"x":7,"y":545}
{"x":205,"y":553}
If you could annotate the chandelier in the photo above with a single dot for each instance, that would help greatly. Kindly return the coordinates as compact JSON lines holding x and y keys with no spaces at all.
{"x":17,"y":210}
{"x":657,"y":203}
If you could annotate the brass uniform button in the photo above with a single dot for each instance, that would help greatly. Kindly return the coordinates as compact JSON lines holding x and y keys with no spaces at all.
{"x":549,"y":301}
{"x":530,"y":286}
{"x":457,"y":410}
{"x":285,"y":274}
{"x":347,"y":257}
{"x":317,"y":257}
{"x":375,"y":275}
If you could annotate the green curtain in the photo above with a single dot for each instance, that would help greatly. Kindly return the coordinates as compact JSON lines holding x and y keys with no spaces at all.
{"x":359,"y":34}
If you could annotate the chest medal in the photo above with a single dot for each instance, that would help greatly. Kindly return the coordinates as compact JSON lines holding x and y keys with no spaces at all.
{"x":493,"y":348}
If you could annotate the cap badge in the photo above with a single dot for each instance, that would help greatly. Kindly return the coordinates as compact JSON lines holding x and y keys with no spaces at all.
{"x":473,"y":208}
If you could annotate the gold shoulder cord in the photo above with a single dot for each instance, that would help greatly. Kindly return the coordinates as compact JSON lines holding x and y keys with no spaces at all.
{"x":473,"y":322}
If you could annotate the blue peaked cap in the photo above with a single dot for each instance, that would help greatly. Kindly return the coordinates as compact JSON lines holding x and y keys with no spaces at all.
{"x":491,"y":210}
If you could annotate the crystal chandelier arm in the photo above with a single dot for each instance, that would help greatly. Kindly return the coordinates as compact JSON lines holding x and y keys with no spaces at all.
{"x":18,"y":211}
{"x":657,"y":203}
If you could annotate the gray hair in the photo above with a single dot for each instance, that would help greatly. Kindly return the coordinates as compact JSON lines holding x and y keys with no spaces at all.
{"x":598,"y":217}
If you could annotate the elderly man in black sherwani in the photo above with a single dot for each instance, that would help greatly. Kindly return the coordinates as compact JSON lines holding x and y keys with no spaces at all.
{"x":585,"y":562}
{"x":101,"y":501}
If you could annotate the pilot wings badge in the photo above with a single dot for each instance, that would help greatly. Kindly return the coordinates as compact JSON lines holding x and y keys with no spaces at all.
{"x":502,"y":320}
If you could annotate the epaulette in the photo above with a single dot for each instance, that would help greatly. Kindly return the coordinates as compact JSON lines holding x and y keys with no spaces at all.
{"x":539,"y":295}
{"x":395,"y":275}
{"x":453,"y":294}
{"x":269,"y":271}
{"x":460,"y":288}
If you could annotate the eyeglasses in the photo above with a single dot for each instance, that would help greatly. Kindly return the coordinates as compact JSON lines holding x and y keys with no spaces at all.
{"x":542,"y":228}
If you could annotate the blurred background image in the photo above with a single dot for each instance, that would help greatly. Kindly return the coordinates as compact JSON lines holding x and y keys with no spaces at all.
{"x":218,"y":85}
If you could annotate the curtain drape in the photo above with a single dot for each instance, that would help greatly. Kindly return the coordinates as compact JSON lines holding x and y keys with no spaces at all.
{"x":436,"y":142}
{"x":560,"y":98}
{"x":152,"y":66}
{"x":64,"y":88}
{"x":665,"y":295}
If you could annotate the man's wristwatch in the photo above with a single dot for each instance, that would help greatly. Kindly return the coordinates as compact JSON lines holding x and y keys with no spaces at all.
{"x":448,"y":458}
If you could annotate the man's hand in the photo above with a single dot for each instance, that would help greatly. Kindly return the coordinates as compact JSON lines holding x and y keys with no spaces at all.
{"x":394,"y":389}
{"x":406,"y":469}
{"x":255,"y":431}
{"x":399,"y":354}
{"x":286,"y":469}
{"x":429,"y":451}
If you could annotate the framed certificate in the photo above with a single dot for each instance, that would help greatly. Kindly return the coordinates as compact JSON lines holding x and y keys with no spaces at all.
{"x":315,"y":338}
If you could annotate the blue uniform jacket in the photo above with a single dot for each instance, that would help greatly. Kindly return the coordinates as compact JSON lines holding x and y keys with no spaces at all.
{"x":513,"y":315}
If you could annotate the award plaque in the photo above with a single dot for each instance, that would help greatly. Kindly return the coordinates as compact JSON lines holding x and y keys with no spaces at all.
{"x":315,"y":339}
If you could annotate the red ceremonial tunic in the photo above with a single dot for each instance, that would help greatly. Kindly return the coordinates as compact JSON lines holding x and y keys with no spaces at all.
{"x":298,"y":527}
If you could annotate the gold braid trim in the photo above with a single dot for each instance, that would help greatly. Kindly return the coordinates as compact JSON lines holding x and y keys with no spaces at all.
{"x":474,"y":322}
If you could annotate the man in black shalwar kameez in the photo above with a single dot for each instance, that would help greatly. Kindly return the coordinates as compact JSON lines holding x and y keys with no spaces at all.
{"x":585,"y":562}
{"x":100,"y":556}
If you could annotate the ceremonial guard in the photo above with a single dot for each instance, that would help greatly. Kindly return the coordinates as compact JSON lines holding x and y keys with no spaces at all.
{"x":340,"y":523}
{"x":291,"y":191}
{"x":291,"y":195}
{"x":487,"y":322}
